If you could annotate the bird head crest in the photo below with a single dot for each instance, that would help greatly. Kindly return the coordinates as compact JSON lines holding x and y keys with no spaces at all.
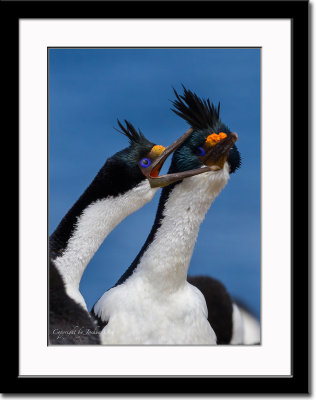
{"x":199,"y":113}
{"x":132,"y":134}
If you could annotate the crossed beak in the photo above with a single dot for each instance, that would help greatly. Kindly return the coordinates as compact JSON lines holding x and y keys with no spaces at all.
{"x":213,"y":160}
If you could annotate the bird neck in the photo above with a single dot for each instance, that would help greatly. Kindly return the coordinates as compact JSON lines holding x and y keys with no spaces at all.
{"x":86,"y":225}
{"x":165,"y":257}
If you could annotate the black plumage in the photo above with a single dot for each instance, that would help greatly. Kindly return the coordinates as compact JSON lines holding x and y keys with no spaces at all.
{"x":69,"y":323}
{"x":219,"y":305}
{"x":199,"y":113}
{"x":131,"y":133}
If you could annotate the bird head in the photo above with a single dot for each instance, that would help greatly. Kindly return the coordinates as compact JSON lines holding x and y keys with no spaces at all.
{"x":211,"y":144}
{"x":144,"y":159}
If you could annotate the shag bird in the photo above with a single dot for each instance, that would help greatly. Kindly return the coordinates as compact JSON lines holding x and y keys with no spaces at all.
{"x":153,"y":303}
{"x":126,"y":182}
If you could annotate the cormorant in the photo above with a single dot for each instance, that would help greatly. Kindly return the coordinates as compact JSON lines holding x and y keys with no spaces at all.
{"x":153,"y":303}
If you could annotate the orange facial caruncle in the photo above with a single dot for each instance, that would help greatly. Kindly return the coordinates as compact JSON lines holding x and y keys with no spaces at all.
{"x":214,"y":138}
{"x":155,"y":152}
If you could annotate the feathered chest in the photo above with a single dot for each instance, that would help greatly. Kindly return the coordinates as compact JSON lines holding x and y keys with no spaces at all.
{"x":139,"y":315}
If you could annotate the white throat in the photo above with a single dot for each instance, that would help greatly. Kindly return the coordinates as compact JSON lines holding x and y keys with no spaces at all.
{"x":165,"y":263}
{"x":92,"y":227}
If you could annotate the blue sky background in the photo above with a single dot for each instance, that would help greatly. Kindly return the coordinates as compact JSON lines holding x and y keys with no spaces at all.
{"x":90,"y":88}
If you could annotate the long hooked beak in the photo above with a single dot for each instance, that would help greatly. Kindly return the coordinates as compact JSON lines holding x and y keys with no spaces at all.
{"x":165,"y":180}
{"x":212,"y":160}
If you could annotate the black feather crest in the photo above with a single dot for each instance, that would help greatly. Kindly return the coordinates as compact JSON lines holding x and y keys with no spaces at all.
{"x":199,"y":113}
{"x":131,"y":133}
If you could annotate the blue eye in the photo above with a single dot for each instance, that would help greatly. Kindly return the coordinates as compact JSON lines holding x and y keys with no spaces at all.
{"x":145,"y":162}
{"x":200,"y":151}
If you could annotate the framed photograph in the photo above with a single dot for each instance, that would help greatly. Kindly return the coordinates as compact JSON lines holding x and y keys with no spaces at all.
{"x":87,"y":70}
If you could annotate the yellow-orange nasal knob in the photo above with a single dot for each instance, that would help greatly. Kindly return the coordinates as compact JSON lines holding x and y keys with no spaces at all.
{"x":222,"y":135}
{"x":214,"y":138}
{"x":156,"y":151}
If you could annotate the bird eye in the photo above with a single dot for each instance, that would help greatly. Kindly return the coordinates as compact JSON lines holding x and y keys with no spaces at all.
{"x":145,"y":162}
{"x":200,"y":151}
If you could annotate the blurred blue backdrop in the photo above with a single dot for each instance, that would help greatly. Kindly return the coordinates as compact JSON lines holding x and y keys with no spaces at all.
{"x":90,"y":88}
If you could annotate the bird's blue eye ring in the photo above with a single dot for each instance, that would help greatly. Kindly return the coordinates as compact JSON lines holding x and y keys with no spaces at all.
{"x":201,"y":151}
{"x":145,"y":162}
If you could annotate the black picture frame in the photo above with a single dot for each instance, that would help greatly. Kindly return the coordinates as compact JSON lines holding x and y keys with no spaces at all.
{"x":297,"y":11}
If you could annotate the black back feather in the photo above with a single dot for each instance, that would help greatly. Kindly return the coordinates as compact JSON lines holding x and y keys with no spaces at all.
{"x":219,"y":305}
{"x":131,"y":133}
{"x":199,"y":113}
{"x":69,"y":323}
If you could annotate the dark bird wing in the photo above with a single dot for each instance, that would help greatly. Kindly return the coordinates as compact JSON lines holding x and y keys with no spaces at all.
{"x":69,"y":323}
